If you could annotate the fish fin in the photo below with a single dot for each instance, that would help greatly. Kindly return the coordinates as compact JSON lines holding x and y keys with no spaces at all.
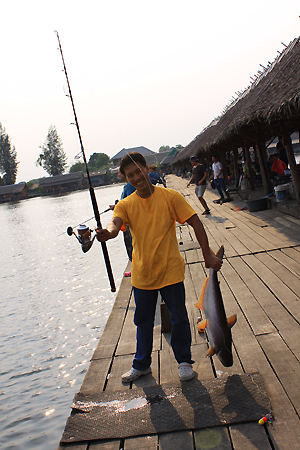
{"x":231,"y":320}
{"x":220,"y":252}
{"x":211,"y":352}
{"x":199,"y":303}
{"x":201,"y":326}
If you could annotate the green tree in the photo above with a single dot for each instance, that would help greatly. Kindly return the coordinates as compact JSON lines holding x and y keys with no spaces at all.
{"x":163,"y":148}
{"x":77,"y":167}
{"x":97,"y":161}
{"x":179,"y":147}
{"x":53,"y":158}
{"x":8,"y":159}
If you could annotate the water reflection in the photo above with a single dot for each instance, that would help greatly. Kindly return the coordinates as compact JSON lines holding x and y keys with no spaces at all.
{"x":55,"y":301}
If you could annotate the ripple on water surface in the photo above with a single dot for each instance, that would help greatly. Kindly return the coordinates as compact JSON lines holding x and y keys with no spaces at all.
{"x":55,"y":302}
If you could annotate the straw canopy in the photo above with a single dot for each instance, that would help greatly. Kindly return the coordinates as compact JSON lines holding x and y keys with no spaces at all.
{"x":269,"y":107}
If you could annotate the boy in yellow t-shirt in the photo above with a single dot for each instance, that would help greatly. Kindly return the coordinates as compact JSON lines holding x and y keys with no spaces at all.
{"x":157,"y":264}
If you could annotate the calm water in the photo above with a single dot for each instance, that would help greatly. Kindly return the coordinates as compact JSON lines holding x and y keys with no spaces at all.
{"x":54,"y":301}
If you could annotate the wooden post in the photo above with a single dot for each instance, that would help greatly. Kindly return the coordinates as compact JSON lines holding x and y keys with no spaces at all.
{"x":249,"y":169}
{"x":287,"y":142}
{"x":236,"y":166}
{"x":262,"y":157}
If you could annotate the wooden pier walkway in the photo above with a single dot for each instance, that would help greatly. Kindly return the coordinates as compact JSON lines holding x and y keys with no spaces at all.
{"x":260,"y":281}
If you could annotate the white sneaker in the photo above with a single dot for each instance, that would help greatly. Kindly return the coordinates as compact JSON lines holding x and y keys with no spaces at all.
{"x":133,"y":374}
{"x":186,"y":372}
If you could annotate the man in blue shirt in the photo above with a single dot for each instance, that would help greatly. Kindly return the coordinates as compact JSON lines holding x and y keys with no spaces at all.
{"x":127,"y":190}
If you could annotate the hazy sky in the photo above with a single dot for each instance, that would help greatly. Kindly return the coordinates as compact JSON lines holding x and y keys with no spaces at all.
{"x":141,"y":73}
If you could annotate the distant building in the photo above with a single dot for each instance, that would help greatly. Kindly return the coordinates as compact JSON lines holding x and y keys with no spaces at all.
{"x":12,"y":192}
{"x":117,"y":158}
{"x":98,"y":178}
{"x":61,"y":183}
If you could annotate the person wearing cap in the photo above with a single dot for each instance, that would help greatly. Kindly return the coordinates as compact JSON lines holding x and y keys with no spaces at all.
{"x":199,"y":176}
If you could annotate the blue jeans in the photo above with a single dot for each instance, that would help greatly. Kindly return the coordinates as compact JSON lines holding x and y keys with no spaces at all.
{"x":145,"y":301}
{"x":220,"y":185}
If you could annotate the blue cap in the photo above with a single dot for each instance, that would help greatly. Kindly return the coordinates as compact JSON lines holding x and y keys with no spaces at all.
{"x":193,"y":158}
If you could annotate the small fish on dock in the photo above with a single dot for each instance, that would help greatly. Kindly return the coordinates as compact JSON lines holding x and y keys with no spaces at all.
{"x":217,"y":325}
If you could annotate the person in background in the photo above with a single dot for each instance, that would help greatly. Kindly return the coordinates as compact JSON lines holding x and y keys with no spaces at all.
{"x":128,"y":189}
{"x":278,"y":166}
{"x":154,"y":177}
{"x":199,"y":176}
{"x":157,"y":265}
{"x":218,"y":177}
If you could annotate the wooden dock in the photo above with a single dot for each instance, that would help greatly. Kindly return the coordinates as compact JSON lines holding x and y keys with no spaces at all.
{"x":260,"y":281}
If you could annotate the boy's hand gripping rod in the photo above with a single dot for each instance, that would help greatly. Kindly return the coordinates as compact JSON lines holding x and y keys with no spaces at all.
{"x":92,"y":192}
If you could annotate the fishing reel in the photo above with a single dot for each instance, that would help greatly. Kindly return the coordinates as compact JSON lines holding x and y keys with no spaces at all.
{"x":84,"y":236}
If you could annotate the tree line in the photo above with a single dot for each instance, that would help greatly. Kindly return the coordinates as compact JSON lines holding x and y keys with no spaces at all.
{"x":52,"y":157}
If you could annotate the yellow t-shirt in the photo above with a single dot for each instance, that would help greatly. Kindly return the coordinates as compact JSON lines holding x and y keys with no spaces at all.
{"x":156,"y":260}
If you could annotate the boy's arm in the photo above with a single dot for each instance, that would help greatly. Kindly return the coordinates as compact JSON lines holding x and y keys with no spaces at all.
{"x":111,"y":231}
{"x":210,"y":259}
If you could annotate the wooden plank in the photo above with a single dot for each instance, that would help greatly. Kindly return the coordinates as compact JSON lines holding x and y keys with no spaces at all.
{"x":253,"y":360}
{"x":292,"y":253}
{"x":191,"y":299}
{"x":191,"y":256}
{"x":105,"y":445}
{"x":176,"y":441}
{"x":121,"y":364}
{"x":281,"y":272}
{"x":287,"y":223}
{"x":255,"y":220}
{"x":249,"y":436}
{"x":95,"y":378}
{"x":250,"y":232}
{"x":285,"y":260}
{"x":285,"y":365}
{"x":169,"y":366}
{"x":279,"y":224}
{"x":273,"y":282}
{"x":73,"y":447}
{"x":215,"y":438}
{"x":284,"y":322}
{"x":141,"y":443}
{"x":127,"y":342}
{"x":112,"y":331}
{"x":254,"y":313}
{"x":270,"y":234}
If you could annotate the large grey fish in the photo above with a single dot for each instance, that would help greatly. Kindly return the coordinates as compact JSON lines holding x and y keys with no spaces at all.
{"x":217,"y":325}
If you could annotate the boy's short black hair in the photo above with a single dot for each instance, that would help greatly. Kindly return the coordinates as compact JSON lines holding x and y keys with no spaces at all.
{"x":132,"y":157}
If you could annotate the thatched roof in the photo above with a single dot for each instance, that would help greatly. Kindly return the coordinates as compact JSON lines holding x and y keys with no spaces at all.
{"x":13,"y":188}
{"x":274,"y":95}
{"x":61,"y":179}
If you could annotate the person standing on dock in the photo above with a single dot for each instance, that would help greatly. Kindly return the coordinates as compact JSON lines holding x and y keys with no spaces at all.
{"x":157,"y":264}
{"x":218,"y":177}
{"x":199,"y":176}
{"x":127,"y":190}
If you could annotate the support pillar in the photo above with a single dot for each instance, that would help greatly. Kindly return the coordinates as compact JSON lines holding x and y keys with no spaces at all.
{"x":249,"y":169}
{"x":262,"y":157}
{"x":287,"y":142}
{"x":236,"y":166}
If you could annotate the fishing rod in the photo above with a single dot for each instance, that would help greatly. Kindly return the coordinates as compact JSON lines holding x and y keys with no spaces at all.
{"x":91,"y":189}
